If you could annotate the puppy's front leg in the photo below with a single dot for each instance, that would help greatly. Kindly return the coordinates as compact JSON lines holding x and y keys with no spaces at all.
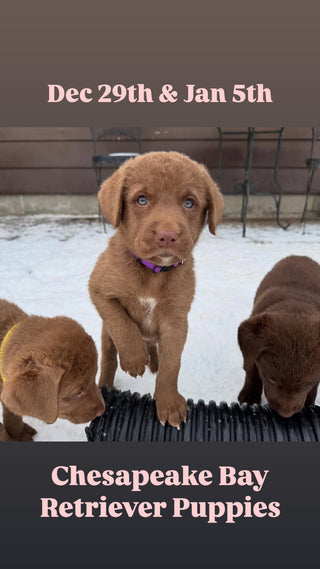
{"x":252,"y":389}
{"x":311,"y":397}
{"x":14,"y":429}
{"x":171,"y":406}
{"x":108,"y":358}
{"x":125,"y":336}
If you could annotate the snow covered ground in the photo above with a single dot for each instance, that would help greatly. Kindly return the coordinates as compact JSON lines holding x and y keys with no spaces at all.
{"x":45,"y":263}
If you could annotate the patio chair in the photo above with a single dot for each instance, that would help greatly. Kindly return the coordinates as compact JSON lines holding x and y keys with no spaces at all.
{"x":113,"y":159}
{"x":312,"y":165}
{"x":245,"y":186}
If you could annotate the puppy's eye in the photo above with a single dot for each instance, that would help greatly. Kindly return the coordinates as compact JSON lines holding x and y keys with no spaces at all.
{"x":77,"y":395}
{"x":142,"y":200}
{"x":189,"y":203}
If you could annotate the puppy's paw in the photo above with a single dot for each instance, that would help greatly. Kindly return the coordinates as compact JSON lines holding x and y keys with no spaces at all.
{"x":153,"y":365}
{"x":135,"y":362}
{"x":25,"y":435}
{"x":171,"y":408}
{"x":248,"y":396}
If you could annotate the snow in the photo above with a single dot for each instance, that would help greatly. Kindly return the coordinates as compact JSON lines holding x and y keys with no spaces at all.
{"x":45,"y":266}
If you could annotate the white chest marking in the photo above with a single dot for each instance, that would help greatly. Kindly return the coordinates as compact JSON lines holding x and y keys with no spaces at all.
{"x":148,"y":304}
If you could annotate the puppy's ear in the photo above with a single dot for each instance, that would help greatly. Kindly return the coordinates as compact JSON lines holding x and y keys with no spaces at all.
{"x":33,"y":390}
{"x":110,"y":195}
{"x":252,"y":336}
{"x":215,"y":202}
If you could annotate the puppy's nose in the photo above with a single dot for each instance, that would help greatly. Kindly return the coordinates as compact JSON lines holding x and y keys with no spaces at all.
{"x":100,"y":409}
{"x":287,"y":413}
{"x":166,"y":238}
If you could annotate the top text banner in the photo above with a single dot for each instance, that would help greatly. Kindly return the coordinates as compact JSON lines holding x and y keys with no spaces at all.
{"x":174,"y":62}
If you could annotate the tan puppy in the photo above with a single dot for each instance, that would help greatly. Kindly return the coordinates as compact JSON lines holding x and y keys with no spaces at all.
{"x":48,"y":368}
{"x":280,"y":341}
{"x":143,"y":284}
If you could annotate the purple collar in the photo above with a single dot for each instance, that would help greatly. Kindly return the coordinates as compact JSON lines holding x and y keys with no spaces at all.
{"x":157,"y":268}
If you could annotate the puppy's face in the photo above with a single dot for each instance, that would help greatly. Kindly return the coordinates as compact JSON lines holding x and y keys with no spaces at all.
{"x":162,"y":220}
{"x":287,"y":379}
{"x":286,"y":351}
{"x":164,"y":199}
{"x":51,"y":372}
{"x":79,"y":398}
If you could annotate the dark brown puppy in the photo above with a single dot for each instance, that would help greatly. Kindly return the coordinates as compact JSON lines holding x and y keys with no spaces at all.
{"x":48,"y":368}
{"x":280,"y":341}
{"x":159,"y":202}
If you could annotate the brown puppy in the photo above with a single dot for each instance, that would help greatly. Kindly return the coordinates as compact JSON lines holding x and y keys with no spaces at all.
{"x":159,"y":202}
{"x":48,"y":368}
{"x":280,"y":341}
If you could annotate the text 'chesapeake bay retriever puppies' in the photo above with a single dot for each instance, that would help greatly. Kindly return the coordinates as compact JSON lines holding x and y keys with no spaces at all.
{"x":143,"y":284}
{"x":280,"y":341}
{"x":48,"y":368}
